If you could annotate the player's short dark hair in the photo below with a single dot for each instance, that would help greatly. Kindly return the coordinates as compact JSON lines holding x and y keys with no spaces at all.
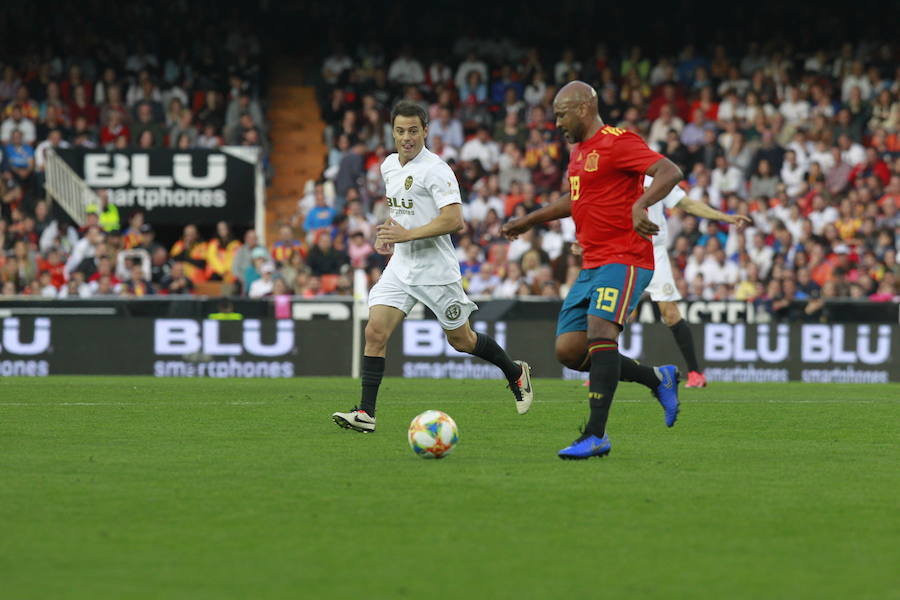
{"x":407,"y":108}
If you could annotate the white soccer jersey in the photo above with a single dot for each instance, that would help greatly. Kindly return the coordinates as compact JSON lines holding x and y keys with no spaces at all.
{"x":657,"y":213}
{"x":416,"y":192}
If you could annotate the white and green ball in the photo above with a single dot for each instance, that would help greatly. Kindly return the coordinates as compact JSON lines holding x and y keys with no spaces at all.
{"x":433,"y":434}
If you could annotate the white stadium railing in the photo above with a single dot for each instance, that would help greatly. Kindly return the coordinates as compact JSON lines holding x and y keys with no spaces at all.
{"x":68,"y":189}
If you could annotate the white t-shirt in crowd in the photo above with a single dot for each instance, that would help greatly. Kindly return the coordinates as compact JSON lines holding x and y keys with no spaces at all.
{"x":552,"y":244}
{"x":261,"y":287}
{"x":416,"y":192}
{"x":567,"y":225}
{"x":486,"y":152}
{"x":854,"y":155}
{"x":657,"y":213}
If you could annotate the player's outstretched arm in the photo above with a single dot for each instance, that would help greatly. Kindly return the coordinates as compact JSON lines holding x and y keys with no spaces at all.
{"x":449,"y":220}
{"x":665,"y":175}
{"x":559,"y":209}
{"x":704,"y":211}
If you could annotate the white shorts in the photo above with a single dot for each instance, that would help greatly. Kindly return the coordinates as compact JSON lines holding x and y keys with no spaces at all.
{"x":448,"y":302}
{"x":662,"y":287}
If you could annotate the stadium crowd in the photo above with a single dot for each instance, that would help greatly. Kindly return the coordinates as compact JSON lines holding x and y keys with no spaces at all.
{"x":106,"y":88}
{"x":806,"y":145}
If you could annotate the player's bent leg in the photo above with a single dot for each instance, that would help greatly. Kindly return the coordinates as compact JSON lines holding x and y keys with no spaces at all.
{"x":383,"y":320}
{"x":517,"y":373}
{"x":671,"y":316}
{"x":604,"y":376}
{"x":615,"y":289}
{"x":463,"y":338}
{"x":571,"y":350}
{"x":606,"y":364}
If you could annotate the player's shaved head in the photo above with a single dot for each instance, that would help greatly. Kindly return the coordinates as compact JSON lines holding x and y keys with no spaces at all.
{"x":576,"y":111}
{"x":576,"y":92}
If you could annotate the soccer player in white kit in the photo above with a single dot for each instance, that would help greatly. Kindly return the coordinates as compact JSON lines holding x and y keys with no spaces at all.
{"x":425,"y":208}
{"x":662,"y":287}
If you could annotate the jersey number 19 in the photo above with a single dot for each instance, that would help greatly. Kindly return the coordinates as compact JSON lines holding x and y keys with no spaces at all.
{"x":575,"y":186}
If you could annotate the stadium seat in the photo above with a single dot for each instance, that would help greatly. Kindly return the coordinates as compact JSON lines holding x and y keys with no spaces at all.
{"x":208,"y":288}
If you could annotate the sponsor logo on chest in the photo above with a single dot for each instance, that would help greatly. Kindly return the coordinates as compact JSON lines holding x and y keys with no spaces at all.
{"x":402,"y":206}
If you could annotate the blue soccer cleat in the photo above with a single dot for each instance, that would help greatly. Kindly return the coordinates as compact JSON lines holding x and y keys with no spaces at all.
{"x":667,"y":392}
{"x":585,"y":447}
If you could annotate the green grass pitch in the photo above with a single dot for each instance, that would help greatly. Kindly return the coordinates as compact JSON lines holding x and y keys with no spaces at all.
{"x":144,"y":488}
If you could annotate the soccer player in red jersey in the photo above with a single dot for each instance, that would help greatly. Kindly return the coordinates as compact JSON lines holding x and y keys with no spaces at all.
{"x":609,"y":205}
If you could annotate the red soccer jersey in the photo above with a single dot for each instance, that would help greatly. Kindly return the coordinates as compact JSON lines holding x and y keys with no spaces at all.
{"x":606,"y":174}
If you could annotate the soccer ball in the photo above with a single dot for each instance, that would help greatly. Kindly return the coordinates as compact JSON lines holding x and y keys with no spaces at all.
{"x":433,"y":434}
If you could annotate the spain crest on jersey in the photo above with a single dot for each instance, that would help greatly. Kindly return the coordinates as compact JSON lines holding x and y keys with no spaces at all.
{"x":408,"y":183}
{"x":590,"y":163}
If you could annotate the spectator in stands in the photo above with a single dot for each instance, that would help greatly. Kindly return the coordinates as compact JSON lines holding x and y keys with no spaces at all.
{"x":662,"y":125}
{"x":29,"y":108}
{"x":19,"y":157}
{"x":265,"y":284}
{"x":288,"y":270}
{"x":320,"y":218}
{"x":359,"y":249}
{"x":548,"y":177}
{"x":405,"y":69}
{"x":191,"y":251}
{"x":357,"y":219}
{"x":447,"y":128}
{"x":113,"y":129}
{"x":145,"y":123}
{"x":873,"y":165}
{"x":9,"y":84}
{"x":220,"y":255}
{"x":75,"y":287}
{"x":184,"y":126}
{"x":484,"y":281}
{"x":258,"y":257}
{"x":137,"y":285}
{"x":286,"y":246}
{"x":481,"y":148}
{"x":793,"y":174}
{"x":160,"y":268}
{"x":473,"y":92}
{"x":726,"y":179}
{"x":675,"y":151}
{"x":324,"y":258}
{"x":763,"y":182}
{"x":107,"y":212}
{"x":105,"y":267}
{"x":210,"y":138}
{"x":18,"y":122}
{"x":148,"y":239}
{"x":176,"y":281}
{"x":212,"y":112}
{"x":81,"y":107}
{"x":351,"y":173}
{"x":234,"y":135}
{"x":243,"y":258}
{"x":174,"y":108}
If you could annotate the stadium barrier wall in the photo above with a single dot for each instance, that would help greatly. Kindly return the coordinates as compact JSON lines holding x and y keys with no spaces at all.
{"x":175,"y":187}
{"x":317,"y":341}
{"x":537,"y":309}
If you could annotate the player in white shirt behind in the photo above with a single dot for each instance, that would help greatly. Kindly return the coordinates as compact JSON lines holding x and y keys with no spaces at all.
{"x":425,"y":206}
{"x":662,"y":287}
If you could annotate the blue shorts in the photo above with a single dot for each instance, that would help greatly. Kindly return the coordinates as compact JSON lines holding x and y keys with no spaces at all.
{"x":610,"y":292}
